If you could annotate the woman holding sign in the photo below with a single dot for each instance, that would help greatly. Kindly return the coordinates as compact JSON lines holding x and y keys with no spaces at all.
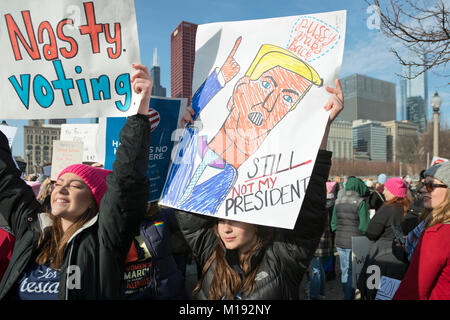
{"x":245,"y":261}
{"x":77,"y":250}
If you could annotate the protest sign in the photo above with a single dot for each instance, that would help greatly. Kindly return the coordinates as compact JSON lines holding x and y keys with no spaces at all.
{"x":388,"y":287}
{"x":9,"y":132}
{"x":67,"y":59}
{"x":259,"y":95}
{"x":87,"y":133}
{"x":65,"y":153}
{"x":360,"y":249}
{"x":437,"y":160}
{"x":164,"y":117}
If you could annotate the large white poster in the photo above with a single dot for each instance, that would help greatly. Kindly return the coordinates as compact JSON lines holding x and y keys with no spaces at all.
{"x":259,"y":95}
{"x":67,"y":58}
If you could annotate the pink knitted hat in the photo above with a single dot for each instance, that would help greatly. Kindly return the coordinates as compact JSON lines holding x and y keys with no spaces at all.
{"x":95,"y":178}
{"x":396,"y":186}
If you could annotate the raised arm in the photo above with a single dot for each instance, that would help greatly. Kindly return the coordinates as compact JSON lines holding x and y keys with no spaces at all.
{"x":18,"y":204}
{"x":124,"y":204}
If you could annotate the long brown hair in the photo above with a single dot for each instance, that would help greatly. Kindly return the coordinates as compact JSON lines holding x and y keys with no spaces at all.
{"x":53,"y":240}
{"x":226,"y":282}
{"x":404,"y":202}
{"x":440,"y":214}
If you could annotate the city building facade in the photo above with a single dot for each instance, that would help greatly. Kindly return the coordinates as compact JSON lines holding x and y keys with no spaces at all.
{"x":369,"y":140}
{"x":395,"y":132}
{"x":155,"y":73}
{"x":368,"y":98}
{"x":38,"y":144}
{"x":340,"y":139}
{"x":182,"y":56}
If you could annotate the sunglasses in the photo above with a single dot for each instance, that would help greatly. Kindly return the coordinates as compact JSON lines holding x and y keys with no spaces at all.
{"x":430,"y":186}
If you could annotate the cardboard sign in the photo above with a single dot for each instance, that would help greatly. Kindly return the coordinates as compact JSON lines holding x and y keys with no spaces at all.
{"x":87,"y":133}
{"x":67,"y":59}
{"x":360,"y":249}
{"x":436,"y":160}
{"x":164,"y":117}
{"x":259,"y":95}
{"x":9,"y":132}
{"x":388,"y":287}
{"x":65,"y":153}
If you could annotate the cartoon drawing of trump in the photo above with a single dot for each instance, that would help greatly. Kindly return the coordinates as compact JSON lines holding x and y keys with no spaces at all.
{"x":273,"y":86}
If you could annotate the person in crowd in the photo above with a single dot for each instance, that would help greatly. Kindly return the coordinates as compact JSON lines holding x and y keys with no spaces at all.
{"x":350,"y":218}
{"x":333,"y":188}
{"x":7,"y":241}
{"x":78,"y":250}
{"x":151,"y":271}
{"x":44,"y":194}
{"x":246,"y":261}
{"x":381,"y":231}
{"x":316,"y":274}
{"x":376,"y":198}
{"x":428,"y":275}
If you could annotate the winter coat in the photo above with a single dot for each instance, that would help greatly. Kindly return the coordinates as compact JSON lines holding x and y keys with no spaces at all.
{"x":6,"y":245}
{"x":282,"y":263}
{"x":93,"y":262}
{"x":350,"y":214}
{"x":380,"y":253}
{"x":161,"y":278}
{"x":428,"y":275}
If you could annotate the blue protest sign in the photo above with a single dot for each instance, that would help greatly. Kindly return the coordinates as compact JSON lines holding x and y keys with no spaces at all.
{"x":164,"y":115}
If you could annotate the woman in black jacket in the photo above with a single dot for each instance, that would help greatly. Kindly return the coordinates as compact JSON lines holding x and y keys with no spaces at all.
{"x":382,"y":230}
{"x":245,"y":261}
{"x":78,"y":251}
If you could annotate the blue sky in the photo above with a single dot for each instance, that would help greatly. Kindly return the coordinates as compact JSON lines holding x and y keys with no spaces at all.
{"x":366,"y":49}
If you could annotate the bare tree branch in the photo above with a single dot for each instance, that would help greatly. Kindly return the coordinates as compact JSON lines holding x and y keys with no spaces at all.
{"x":423,"y":30}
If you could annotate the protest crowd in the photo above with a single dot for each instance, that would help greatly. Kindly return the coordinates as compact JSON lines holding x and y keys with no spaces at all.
{"x":91,"y":233}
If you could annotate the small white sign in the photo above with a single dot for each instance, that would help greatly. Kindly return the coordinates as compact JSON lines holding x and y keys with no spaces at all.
{"x":65,"y":153}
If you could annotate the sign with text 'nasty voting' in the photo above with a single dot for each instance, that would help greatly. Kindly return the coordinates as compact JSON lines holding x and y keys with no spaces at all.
{"x":164,"y":117}
{"x":67,"y":59}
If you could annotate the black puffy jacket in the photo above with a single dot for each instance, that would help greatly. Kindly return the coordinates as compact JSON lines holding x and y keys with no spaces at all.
{"x":282,"y":264}
{"x":99,"y":248}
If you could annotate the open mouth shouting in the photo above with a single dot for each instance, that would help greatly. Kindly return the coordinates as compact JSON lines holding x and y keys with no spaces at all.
{"x":256,"y":118}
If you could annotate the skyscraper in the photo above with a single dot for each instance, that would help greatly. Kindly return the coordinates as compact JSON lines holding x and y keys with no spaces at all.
{"x":182,"y":56}
{"x":369,"y":137}
{"x":368,"y":98}
{"x":155,"y":73}
{"x":414,"y":93}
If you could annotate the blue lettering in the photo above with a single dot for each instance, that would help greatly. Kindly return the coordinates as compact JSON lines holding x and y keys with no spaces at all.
{"x":100,"y":85}
{"x":40,"y":84}
{"x":62,"y":82}
{"x":123,"y":87}
{"x":23,"y":91}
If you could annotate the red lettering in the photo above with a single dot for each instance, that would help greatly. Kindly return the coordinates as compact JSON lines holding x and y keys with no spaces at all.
{"x":73,"y":44}
{"x":15,"y":33}
{"x":91,"y":28}
{"x":50,"y":50}
{"x":117,"y":40}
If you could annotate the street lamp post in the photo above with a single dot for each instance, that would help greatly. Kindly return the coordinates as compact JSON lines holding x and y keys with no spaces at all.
{"x":436,"y":104}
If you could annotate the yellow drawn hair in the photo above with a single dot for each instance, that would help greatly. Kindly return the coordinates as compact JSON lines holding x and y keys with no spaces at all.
{"x":270,"y":56}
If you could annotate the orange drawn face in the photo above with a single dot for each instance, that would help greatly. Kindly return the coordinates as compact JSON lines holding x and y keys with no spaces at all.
{"x":260,"y":104}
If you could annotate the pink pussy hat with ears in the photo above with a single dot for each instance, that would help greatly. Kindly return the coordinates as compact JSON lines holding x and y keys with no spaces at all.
{"x":93,"y":177}
{"x":396,"y":186}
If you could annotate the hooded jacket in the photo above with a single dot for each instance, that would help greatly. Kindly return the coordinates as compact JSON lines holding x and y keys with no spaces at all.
{"x":282,"y":263}
{"x":93,"y":262}
{"x":350,"y":214}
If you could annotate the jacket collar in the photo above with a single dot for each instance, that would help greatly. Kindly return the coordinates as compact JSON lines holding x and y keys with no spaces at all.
{"x":45,"y":221}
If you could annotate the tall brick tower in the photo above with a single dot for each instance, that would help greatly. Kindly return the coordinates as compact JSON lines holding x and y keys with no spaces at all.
{"x":182,"y":56}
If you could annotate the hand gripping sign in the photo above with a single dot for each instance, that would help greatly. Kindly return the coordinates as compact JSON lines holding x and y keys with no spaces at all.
{"x":261,"y":118}
{"x":67,"y":59}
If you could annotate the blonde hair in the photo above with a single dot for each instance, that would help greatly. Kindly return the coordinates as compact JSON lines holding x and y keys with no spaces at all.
{"x":270,"y":56}
{"x":440,"y":214}
{"x":45,"y":190}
